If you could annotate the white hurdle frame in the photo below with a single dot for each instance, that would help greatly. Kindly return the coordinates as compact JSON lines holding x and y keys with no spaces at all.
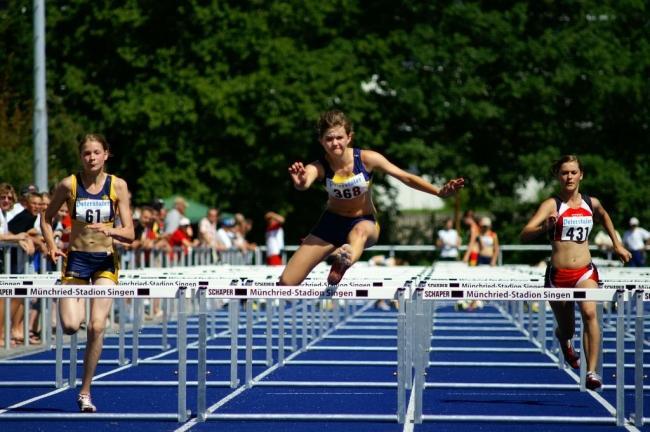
{"x":416,"y":289}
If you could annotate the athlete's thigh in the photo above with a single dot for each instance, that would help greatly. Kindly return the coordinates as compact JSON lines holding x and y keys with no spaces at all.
{"x":369,"y":229}
{"x":72,"y":310}
{"x":312,"y":251}
{"x":588,"y":307}
{"x":101,"y":307}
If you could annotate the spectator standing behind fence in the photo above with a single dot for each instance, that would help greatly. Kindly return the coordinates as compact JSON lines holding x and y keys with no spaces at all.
{"x":7,"y":205}
{"x":274,"y":238}
{"x":183,"y":236}
{"x":243,"y":226}
{"x":23,"y":240}
{"x":208,"y":230}
{"x":448,"y":242}
{"x":146,"y":237}
{"x":14,"y":205}
{"x":226,"y":233}
{"x":23,"y":222}
{"x":471,"y":254}
{"x":488,"y":243}
{"x":635,"y":240}
{"x":94,"y":198}
{"x":173,"y":217}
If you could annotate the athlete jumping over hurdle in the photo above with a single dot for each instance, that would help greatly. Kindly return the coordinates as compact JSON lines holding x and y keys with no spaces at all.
{"x":349,"y":223}
{"x":568,"y":220}
{"x":94,"y":198}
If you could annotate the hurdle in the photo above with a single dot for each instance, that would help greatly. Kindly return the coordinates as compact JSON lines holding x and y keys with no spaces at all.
{"x":418,"y":291}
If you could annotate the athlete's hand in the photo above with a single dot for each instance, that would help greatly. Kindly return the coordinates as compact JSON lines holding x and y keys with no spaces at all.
{"x":623,"y":254}
{"x":549,"y":223}
{"x":451,"y":187}
{"x":55,"y":253}
{"x":298,"y":175}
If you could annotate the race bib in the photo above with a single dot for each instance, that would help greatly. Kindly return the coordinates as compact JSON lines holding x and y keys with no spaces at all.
{"x":347,"y":189}
{"x":93,"y":210}
{"x":576,"y":228}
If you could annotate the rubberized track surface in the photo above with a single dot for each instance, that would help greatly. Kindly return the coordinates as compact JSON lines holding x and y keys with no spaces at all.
{"x":481,"y":389}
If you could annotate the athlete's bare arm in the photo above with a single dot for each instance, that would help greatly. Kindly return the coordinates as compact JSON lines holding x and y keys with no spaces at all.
{"x":373,"y":160}
{"x":60,"y":195}
{"x":303,"y":176}
{"x":601,"y":215}
{"x":542,"y":221}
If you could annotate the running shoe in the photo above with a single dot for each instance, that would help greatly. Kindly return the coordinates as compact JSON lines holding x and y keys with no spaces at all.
{"x":85,"y":403}
{"x":570,"y":355}
{"x":593,"y":381}
{"x":342,"y":262}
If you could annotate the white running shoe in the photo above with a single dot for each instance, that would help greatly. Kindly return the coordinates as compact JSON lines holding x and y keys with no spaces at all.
{"x":85,"y":403}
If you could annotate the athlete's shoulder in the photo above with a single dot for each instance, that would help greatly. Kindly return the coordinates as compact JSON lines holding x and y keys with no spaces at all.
{"x":371,"y":158}
{"x":118,"y":183}
{"x":551,"y":201}
{"x":68,"y":182}
{"x":591,"y":201}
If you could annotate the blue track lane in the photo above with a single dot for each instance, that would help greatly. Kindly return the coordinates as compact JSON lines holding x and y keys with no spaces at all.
{"x":459,"y":380}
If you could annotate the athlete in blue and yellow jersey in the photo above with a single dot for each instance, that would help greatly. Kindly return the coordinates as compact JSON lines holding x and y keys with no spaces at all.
{"x":94,"y":198}
{"x":348,"y":224}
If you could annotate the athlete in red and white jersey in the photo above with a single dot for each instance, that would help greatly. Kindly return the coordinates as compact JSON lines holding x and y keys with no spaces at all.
{"x":568,"y":219}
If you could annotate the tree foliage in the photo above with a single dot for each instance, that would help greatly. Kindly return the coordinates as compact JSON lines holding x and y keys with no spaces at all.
{"x":213,"y":100}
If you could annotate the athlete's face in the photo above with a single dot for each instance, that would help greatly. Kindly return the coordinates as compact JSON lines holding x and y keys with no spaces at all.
{"x":570,"y":175}
{"x":336,"y":140}
{"x":93,"y":156}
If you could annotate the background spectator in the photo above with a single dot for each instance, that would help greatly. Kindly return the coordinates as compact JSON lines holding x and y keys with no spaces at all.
{"x":226,"y":234}
{"x":183,"y":236}
{"x":448,"y":241}
{"x":274,"y":238}
{"x":471,"y":255}
{"x":488,"y":243}
{"x":173,"y":217}
{"x":242,"y":227}
{"x":208,"y":230}
{"x":635,"y":240}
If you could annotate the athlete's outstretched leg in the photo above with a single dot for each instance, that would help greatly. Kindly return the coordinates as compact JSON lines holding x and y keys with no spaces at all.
{"x":312,"y":251}
{"x":99,"y":311}
{"x":565,"y":316}
{"x":591,"y":337}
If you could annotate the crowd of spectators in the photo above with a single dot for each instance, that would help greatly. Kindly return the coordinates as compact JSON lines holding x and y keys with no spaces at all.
{"x":161,"y":234}
{"x":20,"y":226}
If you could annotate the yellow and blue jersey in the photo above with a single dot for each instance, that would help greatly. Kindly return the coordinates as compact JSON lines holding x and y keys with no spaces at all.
{"x":88,"y":208}
{"x":347,"y":187}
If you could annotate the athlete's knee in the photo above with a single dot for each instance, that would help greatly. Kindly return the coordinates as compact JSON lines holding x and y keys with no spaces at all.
{"x":70,"y":328}
{"x":359,"y":231}
{"x":589,"y":315}
{"x":287,"y":281}
{"x":96,"y":327}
